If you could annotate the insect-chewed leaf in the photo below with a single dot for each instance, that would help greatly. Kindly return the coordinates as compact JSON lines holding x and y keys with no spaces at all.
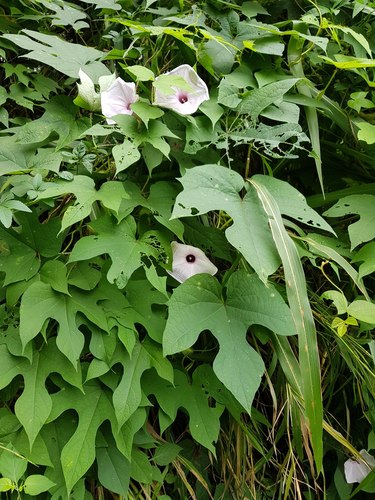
{"x":362,"y":204}
{"x":212,"y":187}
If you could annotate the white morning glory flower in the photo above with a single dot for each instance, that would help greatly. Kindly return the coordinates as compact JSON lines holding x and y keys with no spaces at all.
{"x":356,"y":471}
{"x":189,"y":260}
{"x":87,"y":92}
{"x":182,"y":100}
{"x":118,"y":98}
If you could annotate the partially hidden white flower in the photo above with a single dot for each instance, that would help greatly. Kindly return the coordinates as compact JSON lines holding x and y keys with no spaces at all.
{"x":185,"y":100}
{"x":117,"y":99}
{"x":356,"y":471}
{"x":87,"y":92}
{"x":188,"y":261}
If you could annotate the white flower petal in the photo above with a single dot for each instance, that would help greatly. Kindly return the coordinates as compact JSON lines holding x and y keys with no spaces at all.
{"x":106,"y":81}
{"x":118,"y":98}
{"x":182,"y":101}
{"x":356,"y":471}
{"x":188,"y":261}
{"x":87,"y":92}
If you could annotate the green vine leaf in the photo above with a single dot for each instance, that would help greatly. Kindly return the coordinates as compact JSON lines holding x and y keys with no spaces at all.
{"x":204,"y":420}
{"x":66,"y":57}
{"x":120,"y":243}
{"x":17,"y":259}
{"x":49,"y":304}
{"x":212,"y":187}
{"x":59,"y":118}
{"x":93,"y":408}
{"x":34,"y":404}
{"x":362,"y":204}
{"x":197,"y":305}
{"x":111,"y":194}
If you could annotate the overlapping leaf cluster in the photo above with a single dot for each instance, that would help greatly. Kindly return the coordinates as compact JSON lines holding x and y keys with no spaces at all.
{"x":113,"y":375}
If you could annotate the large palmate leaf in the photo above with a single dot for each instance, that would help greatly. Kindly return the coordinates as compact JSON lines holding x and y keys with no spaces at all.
{"x":366,"y":255}
{"x":292,"y":203}
{"x":59,"y":118}
{"x":128,"y":394}
{"x":110,"y":194}
{"x":104,"y":4}
{"x":34,"y":404}
{"x":65,"y":15}
{"x":198,"y":305}
{"x":212,"y":187}
{"x":93,"y":407}
{"x":255,"y":101}
{"x":15,"y":157}
{"x":68,"y":58}
{"x":41,"y":303}
{"x":119,"y":241}
{"x":362,"y":204}
{"x":204,"y":419}
{"x":18,"y":260}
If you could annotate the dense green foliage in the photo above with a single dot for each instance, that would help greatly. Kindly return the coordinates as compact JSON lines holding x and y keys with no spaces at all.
{"x":116,"y":380}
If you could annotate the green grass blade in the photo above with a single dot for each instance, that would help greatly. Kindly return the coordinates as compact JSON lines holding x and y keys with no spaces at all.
{"x":303,"y":319}
{"x":288,"y":362}
{"x":331,"y":254}
{"x":295,"y":63}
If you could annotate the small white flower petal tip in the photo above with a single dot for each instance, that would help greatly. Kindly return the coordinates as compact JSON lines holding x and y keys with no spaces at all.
{"x":185,"y":102}
{"x":188,"y":261}
{"x":356,"y":471}
{"x":118,"y":99}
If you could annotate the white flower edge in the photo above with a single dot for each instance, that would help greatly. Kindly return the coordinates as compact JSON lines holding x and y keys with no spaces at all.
{"x":188,"y":261}
{"x":87,"y":92}
{"x":356,"y":471}
{"x":117,"y":99}
{"x":185,"y":102}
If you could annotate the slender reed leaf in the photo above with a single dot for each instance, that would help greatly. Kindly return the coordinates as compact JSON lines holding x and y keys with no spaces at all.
{"x":303,"y":319}
{"x":295,"y":63}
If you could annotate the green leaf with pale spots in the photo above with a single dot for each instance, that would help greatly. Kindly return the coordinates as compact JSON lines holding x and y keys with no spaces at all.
{"x":197,"y":305}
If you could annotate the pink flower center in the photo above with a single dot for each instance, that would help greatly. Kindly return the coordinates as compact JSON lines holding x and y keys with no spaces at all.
{"x":183,"y":98}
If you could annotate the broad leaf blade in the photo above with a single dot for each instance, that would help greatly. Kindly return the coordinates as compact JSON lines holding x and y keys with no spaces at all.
{"x":197,"y":305}
{"x":212,"y":187}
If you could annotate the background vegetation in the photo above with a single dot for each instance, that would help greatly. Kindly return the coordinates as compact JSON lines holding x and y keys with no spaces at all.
{"x":117,"y":381}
